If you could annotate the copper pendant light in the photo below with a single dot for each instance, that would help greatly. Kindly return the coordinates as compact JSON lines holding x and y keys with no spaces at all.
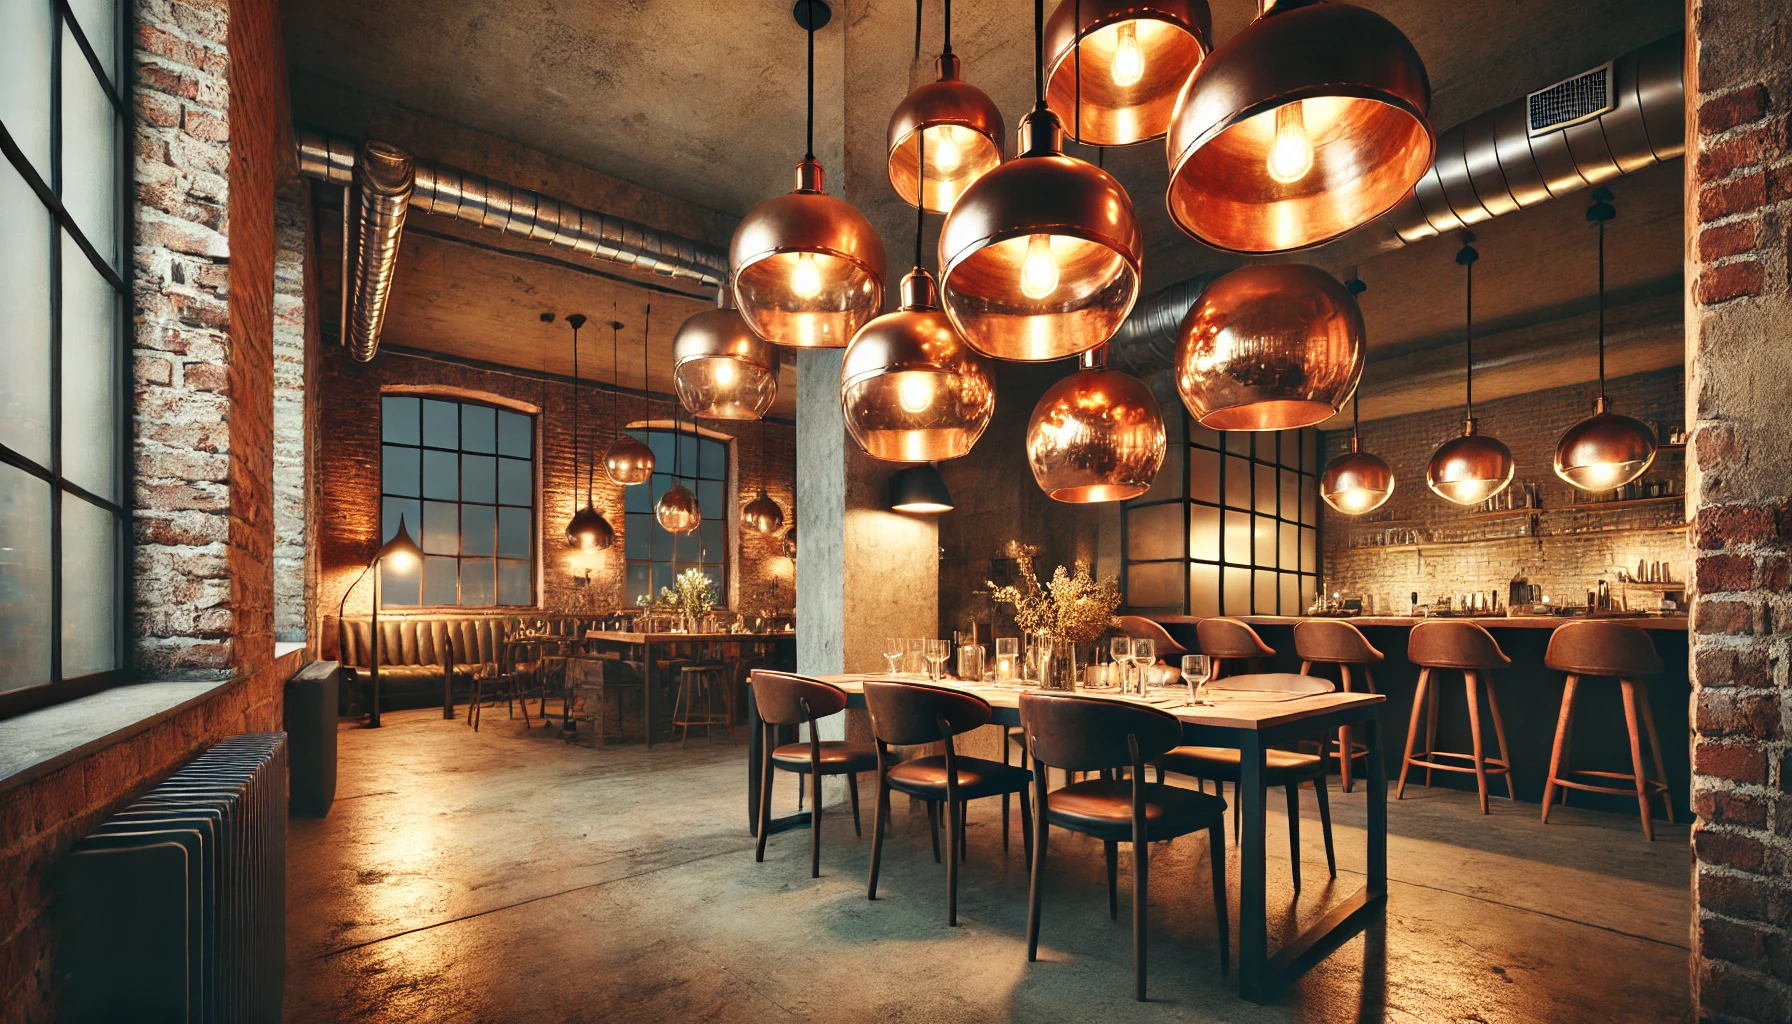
{"x":629,"y":461}
{"x":790,"y":541}
{"x":1605,"y":450}
{"x":808,"y":268}
{"x":677,"y":510}
{"x":1117,"y":66}
{"x":1356,"y":481}
{"x":960,"y":125}
{"x":588,"y":529}
{"x":1039,"y":259}
{"x":720,"y":368}
{"x":1096,"y":435}
{"x":761,"y":515}
{"x":1272,"y":347}
{"x":1468,"y":470}
{"x":1311,"y":122}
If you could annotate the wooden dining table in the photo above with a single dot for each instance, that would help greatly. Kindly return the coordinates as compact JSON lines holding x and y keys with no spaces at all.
{"x":648,"y":643}
{"x":1251,"y":726}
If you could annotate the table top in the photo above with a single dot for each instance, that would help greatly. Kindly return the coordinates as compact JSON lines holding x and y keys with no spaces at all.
{"x":641,"y":638}
{"x":1670,"y":623}
{"x":1233,"y":711}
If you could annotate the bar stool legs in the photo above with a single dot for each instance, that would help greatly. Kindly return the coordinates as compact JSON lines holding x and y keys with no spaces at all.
{"x":1347,"y":751}
{"x":1638,"y":777}
{"x":1425,"y":702}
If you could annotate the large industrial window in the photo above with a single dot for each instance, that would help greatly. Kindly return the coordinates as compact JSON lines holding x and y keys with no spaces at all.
{"x":461,"y":475}
{"x":1231,"y":526}
{"x":64,"y":313}
{"x":654,"y":555}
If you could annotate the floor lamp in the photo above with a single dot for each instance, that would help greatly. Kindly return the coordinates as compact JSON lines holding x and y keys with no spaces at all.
{"x":404,"y":554}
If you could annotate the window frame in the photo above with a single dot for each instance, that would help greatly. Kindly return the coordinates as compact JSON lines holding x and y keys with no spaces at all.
{"x":118,"y":87}
{"x":693,"y":480}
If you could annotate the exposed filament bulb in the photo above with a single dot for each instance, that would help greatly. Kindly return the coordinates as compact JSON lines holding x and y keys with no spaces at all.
{"x":1039,"y":272}
{"x":943,"y":153}
{"x":914,"y":392}
{"x":1129,"y":60}
{"x":805,"y":279}
{"x":1291,"y":155}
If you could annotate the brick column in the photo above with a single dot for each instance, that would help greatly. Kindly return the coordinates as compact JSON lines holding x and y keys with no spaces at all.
{"x":1739,"y":468}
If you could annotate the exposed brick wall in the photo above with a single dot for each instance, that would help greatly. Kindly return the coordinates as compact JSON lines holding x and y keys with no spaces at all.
{"x":293,"y":226}
{"x":348,"y":453}
{"x":1564,"y":561}
{"x":1739,"y":315}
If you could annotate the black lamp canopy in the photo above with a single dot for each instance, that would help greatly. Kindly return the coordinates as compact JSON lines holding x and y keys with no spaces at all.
{"x":919,"y":489}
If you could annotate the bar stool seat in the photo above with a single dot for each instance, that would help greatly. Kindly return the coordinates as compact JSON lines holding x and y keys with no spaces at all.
{"x":703,"y":697}
{"x":1226,"y":639}
{"x":1612,"y":650}
{"x":1332,"y":642}
{"x":1467,"y":648}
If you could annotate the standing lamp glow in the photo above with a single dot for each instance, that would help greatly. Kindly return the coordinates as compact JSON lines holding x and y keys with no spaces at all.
{"x":761,"y":515}
{"x":588,"y":530}
{"x":919,"y":489}
{"x":720,"y":368}
{"x":1040,"y":258}
{"x":1311,"y":122}
{"x":958,"y":126}
{"x":808,"y":268}
{"x":1469,"y":469}
{"x":403,"y":555}
{"x":1605,"y":450}
{"x":1133,"y":57}
{"x":629,"y":461}
{"x":1356,"y":481}
{"x":1096,"y":435}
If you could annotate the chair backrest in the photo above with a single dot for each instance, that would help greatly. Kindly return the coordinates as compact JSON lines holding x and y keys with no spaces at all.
{"x":1442,"y":643}
{"x":907,"y":714}
{"x":1086,"y":734}
{"x":787,"y":699}
{"x":1596,"y":648}
{"x":1332,"y":641}
{"x":1279,"y":682}
{"x":1223,"y":637}
{"x":1141,"y":628}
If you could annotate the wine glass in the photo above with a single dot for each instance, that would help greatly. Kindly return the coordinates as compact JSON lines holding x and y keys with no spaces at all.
{"x":893,"y":651}
{"x":1144,"y":655}
{"x":1196,"y":670}
{"x":1121,"y":648}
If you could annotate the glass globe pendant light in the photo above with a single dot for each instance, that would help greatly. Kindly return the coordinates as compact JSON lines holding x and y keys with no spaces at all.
{"x":677,"y":510}
{"x":808,"y":268}
{"x":961,"y":126}
{"x":910,"y":388}
{"x":628,"y":461}
{"x":1356,"y":481}
{"x":1311,"y":122}
{"x":1039,"y":259}
{"x":1468,"y":470}
{"x":761,"y":515}
{"x":588,"y":529}
{"x":1096,"y":435}
{"x":1269,"y":347}
{"x":1117,"y":66}
{"x":1605,"y":450}
{"x":720,"y":368}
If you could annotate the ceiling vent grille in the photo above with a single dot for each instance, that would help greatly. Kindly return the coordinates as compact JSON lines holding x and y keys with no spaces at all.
{"x":1571,"y":101}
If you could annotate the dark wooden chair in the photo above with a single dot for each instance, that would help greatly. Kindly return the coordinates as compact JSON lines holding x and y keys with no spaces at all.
{"x":1228,"y":640}
{"x":1079,"y":733}
{"x":1331,"y":642}
{"x":1467,"y":648}
{"x":784,"y":699}
{"x":1610,"y":650}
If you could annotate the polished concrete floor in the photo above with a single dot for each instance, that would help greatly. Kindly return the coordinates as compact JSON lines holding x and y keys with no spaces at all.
{"x":507,"y":876}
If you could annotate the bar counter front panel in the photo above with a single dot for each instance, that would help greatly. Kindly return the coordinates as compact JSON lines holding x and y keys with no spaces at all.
{"x":1530,"y":696}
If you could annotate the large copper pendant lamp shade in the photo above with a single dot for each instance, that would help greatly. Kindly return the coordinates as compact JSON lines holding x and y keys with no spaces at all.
{"x":808,"y":268}
{"x":677,"y":510}
{"x":1096,"y":435}
{"x":628,"y":461}
{"x":1356,"y":481}
{"x":588,"y":529}
{"x":1605,"y":450}
{"x":1311,"y":122}
{"x":720,"y":368}
{"x":1117,"y":66}
{"x":1272,"y":347}
{"x":960,"y":126}
{"x":1469,"y":469}
{"x":1039,"y":259}
{"x":761,"y":515}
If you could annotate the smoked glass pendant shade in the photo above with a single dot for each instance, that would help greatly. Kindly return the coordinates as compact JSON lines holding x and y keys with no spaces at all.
{"x":1605,"y":450}
{"x":790,"y":541}
{"x":589,"y":530}
{"x":1311,"y":122}
{"x":1135,"y":58}
{"x":963,"y":139}
{"x":1469,"y":469}
{"x":1096,"y":435}
{"x":1274,"y":347}
{"x":1356,"y":482}
{"x":628,"y":461}
{"x":1040,"y":257}
{"x":808,"y":268}
{"x":677,"y":510}
{"x":720,"y":368}
{"x":911,"y":389}
{"x":762,"y":515}
{"x":920,"y":489}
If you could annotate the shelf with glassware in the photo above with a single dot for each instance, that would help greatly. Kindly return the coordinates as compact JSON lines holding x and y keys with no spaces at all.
{"x":1630,"y":515}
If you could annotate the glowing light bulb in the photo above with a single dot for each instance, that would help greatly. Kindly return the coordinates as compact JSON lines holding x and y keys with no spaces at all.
{"x":1039,"y":272}
{"x":805,"y":279}
{"x":1601,"y":475}
{"x":914,"y":392}
{"x":724,"y":370}
{"x":943,"y":153}
{"x":1291,"y":155}
{"x":1129,"y":60}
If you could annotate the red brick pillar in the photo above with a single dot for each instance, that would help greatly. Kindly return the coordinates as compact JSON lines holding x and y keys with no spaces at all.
{"x":1739,"y":404}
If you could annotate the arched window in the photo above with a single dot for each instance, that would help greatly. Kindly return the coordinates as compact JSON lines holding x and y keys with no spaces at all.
{"x":656,"y":556}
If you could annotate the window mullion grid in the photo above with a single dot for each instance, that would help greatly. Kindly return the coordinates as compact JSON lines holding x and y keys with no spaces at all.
{"x":57,"y":225}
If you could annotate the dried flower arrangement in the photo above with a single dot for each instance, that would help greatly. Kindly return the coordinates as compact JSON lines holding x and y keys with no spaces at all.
{"x":1073,"y":606}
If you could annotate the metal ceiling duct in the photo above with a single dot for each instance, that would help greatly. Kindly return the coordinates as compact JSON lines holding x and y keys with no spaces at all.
{"x":384,"y":175}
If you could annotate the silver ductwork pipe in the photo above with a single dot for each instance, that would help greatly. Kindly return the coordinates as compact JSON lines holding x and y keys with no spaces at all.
{"x":1146,"y":341}
{"x":480,"y":201}
{"x":384,"y":176}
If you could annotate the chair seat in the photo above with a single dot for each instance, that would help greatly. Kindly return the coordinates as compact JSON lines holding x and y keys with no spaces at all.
{"x":1103,"y":808}
{"x":1221,"y":764}
{"x":838,"y":757}
{"x":925,"y":777}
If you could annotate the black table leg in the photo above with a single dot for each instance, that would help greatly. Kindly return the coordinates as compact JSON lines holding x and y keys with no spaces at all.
{"x":1253,"y":924}
{"x":1378,"y":812}
{"x":647,"y":690}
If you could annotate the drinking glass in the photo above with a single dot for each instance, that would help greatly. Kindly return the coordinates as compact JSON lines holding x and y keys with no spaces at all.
{"x":970,"y":663}
{"x":1196,"y":670}
{"x":1144,"y":655}
{"x":893,"y":651}
{"x":1121,"y":648}
{"x":1007,"y":658}
{"x":938,"y":651}
{"x":916,"y":663}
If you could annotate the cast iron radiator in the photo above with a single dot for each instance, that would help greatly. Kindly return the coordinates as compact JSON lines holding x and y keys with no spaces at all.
{"x":174,"y":909}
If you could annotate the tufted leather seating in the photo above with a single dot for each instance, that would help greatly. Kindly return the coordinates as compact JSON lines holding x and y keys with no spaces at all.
{"x":418,"y":653}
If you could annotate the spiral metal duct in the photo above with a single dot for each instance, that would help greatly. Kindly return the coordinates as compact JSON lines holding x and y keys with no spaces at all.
{"x":384,"y":174}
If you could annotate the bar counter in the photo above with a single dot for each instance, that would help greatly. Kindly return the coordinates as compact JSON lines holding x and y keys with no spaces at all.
{"x":1530,"y":696}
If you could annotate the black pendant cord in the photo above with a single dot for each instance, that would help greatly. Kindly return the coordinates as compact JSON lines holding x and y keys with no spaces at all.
{"x":1039,"y":55}
{"x":1076,"y":58}
{"x":646,"y":330}
{"x":1599,"y":212}
{"x":1356,"y":416}
{"x":1467,"y":256}
{"x":762,"y":455}
{"x":809,"y":137}
{"x":920,"y":192}
{"x":575,"y":418}
{"x":918,"y":31}
{"x":946,"y":46}
{"x":615,"y":374}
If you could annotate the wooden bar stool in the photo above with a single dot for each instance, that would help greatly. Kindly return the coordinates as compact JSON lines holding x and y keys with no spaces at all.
{"x":1331,"y":642}
{"x":786,"y":700}
{"x":1225,"y":639}
{"x":1618,"y":651}
{"x":1464,"y":647}
{"x":703,"y":697}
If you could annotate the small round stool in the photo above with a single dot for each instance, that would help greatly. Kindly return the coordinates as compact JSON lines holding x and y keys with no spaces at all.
{"x":1331,"y":642}
{"x":1225,"y":639}
{"x":1618,"y":651}
{"x":1471,"y":650}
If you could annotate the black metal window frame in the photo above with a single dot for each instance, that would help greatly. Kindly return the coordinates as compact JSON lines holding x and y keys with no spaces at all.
{"x":1297,"y":452}
{"x":712,"y":489}
{"x":117,"y":87}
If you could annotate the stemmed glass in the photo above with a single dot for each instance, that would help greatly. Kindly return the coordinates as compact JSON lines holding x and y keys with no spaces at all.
{"x":1144,"y":655}
{"x":893,"y":651}
{"x":1121,"y":648}
{"x":1197,"y":669}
